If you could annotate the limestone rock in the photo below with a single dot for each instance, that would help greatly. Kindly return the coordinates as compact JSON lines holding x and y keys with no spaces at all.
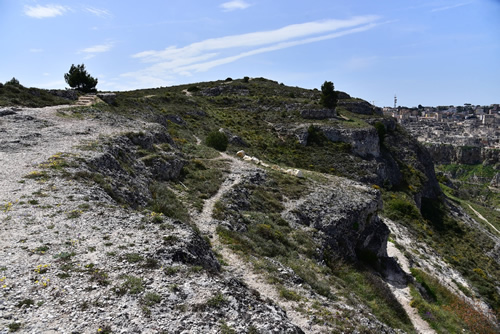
{"x":318,"y":113}
{"x":364,"y":141}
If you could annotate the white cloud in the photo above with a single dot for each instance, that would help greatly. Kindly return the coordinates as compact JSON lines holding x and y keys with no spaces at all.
{"x":98,"y":48}
{"x":34,"y":50}
{"x":233,"y":5}
{"x":450,"y":7}
{"x":255,"y":39}
{"x":204,"y":55}
{"x":98,"y":12}
{"x":41,"y":12}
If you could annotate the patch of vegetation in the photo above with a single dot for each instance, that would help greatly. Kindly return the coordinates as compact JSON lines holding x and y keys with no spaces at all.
{"x":151,"y":299}
{"x":444,"y":311}
{"x":217,"y":140}
{"x":217,"y":301}
{"x":289,"y":294}
{"x":454,"y":241}
{"x":26,"y":302}
{"x":375,"y":293}
{"x":14,"y":326}
{"x":398,"y":207}
{"x":12,"y":93}
{"x":133,"y":257}
{"x":201,"y":180}
{"x":166,"y":202}
{"x":132,"y":285}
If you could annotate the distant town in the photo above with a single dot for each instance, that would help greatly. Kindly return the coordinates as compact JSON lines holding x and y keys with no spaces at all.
{"x":466,"y":125}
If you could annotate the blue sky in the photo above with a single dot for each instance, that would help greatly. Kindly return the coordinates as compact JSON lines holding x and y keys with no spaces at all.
{"x":435,"y":52}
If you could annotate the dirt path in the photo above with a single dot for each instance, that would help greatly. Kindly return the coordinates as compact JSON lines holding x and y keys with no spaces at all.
{"x":32,"y":135}
{"x":238,"y":267}
{"x":403,"y":294}
{"x":480,"y":216}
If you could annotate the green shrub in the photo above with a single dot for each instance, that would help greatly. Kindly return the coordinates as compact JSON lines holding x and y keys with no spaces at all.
{"x":315,"y":136}
{"x":217,"y":140}
{"x":401,"y":209}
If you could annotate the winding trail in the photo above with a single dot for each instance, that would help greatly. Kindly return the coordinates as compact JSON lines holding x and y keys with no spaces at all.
{"x":403,"y":294}
{"x":235,"y":265}
{"x":480,"y":216}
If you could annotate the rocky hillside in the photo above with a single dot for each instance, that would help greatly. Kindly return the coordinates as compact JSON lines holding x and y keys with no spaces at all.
{"x":121,"y":217}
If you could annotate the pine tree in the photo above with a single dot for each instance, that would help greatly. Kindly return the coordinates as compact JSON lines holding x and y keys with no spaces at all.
{"x":328,"y":95}
{"x":78,"y":78}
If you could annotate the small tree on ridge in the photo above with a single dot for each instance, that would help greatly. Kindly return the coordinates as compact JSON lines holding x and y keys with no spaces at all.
{"x":328,"y":95}
{"x":78,"y":78}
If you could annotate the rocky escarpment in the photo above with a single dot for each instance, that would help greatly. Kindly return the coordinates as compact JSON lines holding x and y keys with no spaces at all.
{"x":385,"y":153}
{"x":466,"y":155}
{"x":347,"y":215}
{"x":129,"y":164}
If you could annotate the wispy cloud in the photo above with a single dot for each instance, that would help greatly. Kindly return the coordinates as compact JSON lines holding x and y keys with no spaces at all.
{"x":34,"y":50}
{"x":233,"y":5}
{"x":91,"y":51}
{"x":42,"y":12}
{"x":98,"y":12}
{"x":450,"y":7}
{"x":205,"y":55}
{"x":98,"y":48}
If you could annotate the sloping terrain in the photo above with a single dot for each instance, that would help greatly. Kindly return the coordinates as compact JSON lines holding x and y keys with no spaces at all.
{"x":119,"y":218}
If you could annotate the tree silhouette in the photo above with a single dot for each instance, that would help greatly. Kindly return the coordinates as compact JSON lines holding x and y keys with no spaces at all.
{"x":78,"y":78}
{"x":328,"y":95}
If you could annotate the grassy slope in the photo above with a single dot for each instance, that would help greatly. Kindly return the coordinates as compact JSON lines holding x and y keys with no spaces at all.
{"x":18,"y":95}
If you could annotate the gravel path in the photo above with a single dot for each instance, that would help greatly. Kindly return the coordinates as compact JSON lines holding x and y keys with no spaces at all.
{"x":31,"y":136}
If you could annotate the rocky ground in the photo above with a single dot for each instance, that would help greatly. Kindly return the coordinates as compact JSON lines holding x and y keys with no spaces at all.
{"x":73,"y":261}
{"x":81,"y":250}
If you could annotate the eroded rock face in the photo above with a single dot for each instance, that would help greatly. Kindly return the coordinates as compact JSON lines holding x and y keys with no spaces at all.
{"x":126,"y":175}
{"x":364,"y":141}
{"x":466,"y":155}
{"x":346,"y":213}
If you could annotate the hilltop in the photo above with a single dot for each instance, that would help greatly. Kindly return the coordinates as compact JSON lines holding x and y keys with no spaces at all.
{"x":118,"y":216}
